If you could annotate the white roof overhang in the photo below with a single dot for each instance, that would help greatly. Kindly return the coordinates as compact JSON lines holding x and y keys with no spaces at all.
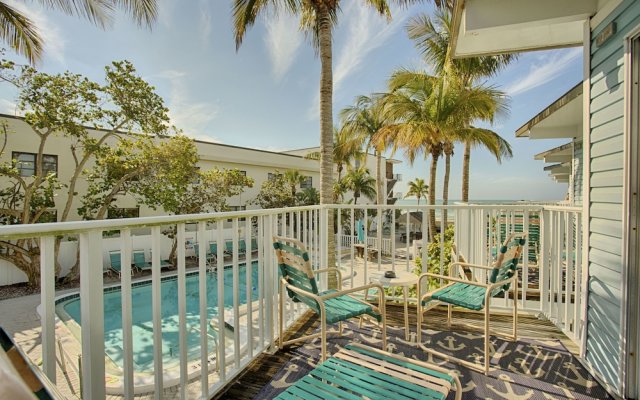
{"x":482,"y":27}
{"x":560,"y":154}
{"x":559,"y":172}
{"x":558,"y":169}
{"x":561,"y":119}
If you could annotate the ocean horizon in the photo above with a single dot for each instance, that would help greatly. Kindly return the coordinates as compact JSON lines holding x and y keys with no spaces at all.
{"x":413,"y":202}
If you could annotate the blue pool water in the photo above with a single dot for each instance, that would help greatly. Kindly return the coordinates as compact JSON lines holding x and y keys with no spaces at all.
{"x":142,"y":317}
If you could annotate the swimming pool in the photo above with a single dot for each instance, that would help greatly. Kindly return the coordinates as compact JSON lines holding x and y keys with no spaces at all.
{"x":142,"y":322}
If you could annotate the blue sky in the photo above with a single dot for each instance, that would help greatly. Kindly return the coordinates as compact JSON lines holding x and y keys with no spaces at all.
{"x":266,"y":94}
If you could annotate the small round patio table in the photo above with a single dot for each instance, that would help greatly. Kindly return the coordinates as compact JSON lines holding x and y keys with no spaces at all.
{"x":403,"y":279}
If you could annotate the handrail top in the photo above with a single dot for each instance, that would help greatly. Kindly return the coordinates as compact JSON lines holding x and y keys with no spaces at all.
{"x":21,"y":231}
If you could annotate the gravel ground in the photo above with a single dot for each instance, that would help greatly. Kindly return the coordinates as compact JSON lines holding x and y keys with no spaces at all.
{"x":22,"y":289}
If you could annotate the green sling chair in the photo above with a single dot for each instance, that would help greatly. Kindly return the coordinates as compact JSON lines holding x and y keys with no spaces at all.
{"x":299,"y":282}
{"x":474,"y":295}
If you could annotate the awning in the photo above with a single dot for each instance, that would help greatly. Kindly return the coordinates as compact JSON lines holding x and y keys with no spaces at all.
{"x":561,"y":119}
{"x":482,"y":27}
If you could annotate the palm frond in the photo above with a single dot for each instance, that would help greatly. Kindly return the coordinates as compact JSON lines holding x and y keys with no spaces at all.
{"x":245,"y":13}
{"x":98,"y":12}
{"x":144,"y":12}
{"x":20,"y":33}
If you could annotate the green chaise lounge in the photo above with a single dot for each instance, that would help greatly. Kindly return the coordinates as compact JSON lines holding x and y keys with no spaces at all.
{"x":359,"y":372}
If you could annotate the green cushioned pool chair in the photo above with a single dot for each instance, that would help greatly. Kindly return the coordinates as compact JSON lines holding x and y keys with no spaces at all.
{"x":333,"y":306}
{"x":359,"y":372}
{"x":462,"y":290}
{"x":140,"y":261}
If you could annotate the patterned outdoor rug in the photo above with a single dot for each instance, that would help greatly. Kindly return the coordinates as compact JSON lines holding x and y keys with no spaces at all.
{"x":527,"y":369}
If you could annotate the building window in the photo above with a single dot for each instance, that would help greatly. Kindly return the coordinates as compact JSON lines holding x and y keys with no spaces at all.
{"x":117,"y":213}
{"x":26,"y":163}
{"x":237,"y":208}
{"x":307,"y":183}
{"x":270,"y":176}
{"x":243,"y":172}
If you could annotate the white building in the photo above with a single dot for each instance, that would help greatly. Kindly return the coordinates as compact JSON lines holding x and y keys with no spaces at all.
{"x":22,"y":145}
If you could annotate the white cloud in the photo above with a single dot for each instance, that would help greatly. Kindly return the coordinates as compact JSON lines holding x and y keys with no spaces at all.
{"x":205,"y":21}
{"x":54,"y":43}
{"x":192,"y":117}
{"x":366,"y":31}
{"x":283,"y":40}
{"x":166,"y":11}
{"x":546,"y":68}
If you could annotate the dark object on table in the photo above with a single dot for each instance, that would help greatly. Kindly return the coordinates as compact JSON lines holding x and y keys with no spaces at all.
{"x":390,"y":274}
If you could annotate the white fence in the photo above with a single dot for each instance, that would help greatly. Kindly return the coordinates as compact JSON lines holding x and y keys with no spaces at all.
{"x":346,"y":241}
{"x":552,"y":278}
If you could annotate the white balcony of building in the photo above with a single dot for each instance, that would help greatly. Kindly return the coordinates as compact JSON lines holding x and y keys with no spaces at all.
{"x":192,"y":330}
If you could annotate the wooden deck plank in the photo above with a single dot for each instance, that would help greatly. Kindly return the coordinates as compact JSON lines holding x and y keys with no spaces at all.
{"x":260,"y":372}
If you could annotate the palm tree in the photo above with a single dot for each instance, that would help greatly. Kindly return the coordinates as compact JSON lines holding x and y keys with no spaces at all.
{"x":20,"y":33}
{"x":317,"y":19}
{"x":308,"y":196}
{"x":345,"y":150}
{"x":294,"y":178}
{"x":339,"y":190}
{"x":418,"y":189}
{"x":363,"y":121}
{"x":433,"y":39}
{"x":360,"y":182}
{"x":430,"y":111}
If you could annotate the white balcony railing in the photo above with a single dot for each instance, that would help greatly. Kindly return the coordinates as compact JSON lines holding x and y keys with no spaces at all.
{"x":552,"y":279}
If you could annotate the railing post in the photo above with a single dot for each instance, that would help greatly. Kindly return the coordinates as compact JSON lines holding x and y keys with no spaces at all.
{"x":182,"y":310}
{"x":270,"y":285}
{"x":204,"y":322}
{"x":127,"y":332}
{"x":156,"y":310}
{"x":47,"y":295}
{"x":92,"y":315}
{"x":545,"y":234}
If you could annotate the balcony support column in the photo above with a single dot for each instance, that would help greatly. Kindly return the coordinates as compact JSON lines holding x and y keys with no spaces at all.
{"x":47,"y":295}
{"x":92,"y":315}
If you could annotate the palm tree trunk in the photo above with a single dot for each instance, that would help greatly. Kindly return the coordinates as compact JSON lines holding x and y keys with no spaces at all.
{"x":432,"y":195}
{"x":448,"y":151}
{"x":465,"y":171}
{"x":380,"y":192}
{"x":326,"y":131}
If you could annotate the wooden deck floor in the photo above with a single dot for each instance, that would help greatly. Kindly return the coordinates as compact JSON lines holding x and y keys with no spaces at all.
{"x":259,"y":373}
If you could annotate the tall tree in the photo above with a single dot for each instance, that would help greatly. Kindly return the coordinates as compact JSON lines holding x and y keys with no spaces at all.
{"x":317,"y":19}
{"x":132,"y":167}
{"x":363,"y":121}
{"x":361,"y":183}
{"x":21,"y":34}
{"x":64,"y":105}
{"x":429,"y":111}
{"x":346,"y":149}
{"x":294,"y":178}
{"x":418,"y":189}
{"x":432,"y":37}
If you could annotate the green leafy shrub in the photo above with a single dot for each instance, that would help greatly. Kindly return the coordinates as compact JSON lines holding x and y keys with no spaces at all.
{"x":433,"y":253}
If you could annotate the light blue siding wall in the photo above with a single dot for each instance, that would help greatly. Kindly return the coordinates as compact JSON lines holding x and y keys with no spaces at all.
{"x":604,"y":342}
{"x":577,"y":173}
